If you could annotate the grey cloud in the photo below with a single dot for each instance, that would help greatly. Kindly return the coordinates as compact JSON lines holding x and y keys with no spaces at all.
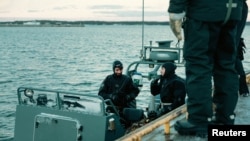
{"x":131,"y":13}
{"x":34,"y":11}
{"x":60,"y":8}
{"x":106,"y":7}
{"x":120,"y":11}
{"x":65,"y":7}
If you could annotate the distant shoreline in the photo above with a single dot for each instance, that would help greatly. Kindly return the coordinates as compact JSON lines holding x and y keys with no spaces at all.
{"x":49,"y":23}
{"x":41,"y":25}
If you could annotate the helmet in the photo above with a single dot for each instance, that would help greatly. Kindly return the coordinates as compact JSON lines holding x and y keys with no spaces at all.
{"x":117,"y":64}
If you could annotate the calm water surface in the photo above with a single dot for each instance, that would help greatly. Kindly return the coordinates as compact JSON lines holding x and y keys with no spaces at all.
{"x":70,"y":58}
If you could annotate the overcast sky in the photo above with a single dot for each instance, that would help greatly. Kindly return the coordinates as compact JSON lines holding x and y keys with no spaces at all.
{"x":101,"y":10}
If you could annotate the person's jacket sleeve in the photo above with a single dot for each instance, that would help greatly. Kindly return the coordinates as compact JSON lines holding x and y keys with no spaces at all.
{"x":103,"y":90}
{"x":177,"y":6}
{"x":133,"y":90}
{"x":155,"y":88}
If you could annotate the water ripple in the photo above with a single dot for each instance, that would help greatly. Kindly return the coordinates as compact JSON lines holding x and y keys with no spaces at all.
{"x":70,"y":59}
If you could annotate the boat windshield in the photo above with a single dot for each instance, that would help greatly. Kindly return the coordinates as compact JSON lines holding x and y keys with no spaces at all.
{"x":61,"y":100}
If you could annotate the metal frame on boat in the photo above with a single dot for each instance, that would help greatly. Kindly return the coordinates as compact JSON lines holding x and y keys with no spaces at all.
{"x":155,"y":56}
{"x":53,"y":115}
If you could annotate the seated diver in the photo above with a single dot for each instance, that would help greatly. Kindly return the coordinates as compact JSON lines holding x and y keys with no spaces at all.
{"x":120,"y":89}
{"x":171,"y":89}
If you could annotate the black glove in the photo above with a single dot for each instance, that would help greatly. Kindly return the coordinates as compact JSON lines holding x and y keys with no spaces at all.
{"x":115,"y":98}
{"x":155,"y":81}
{"x":152,"y":115}
{"x":166,"y":109}
{"x":130,"y":97}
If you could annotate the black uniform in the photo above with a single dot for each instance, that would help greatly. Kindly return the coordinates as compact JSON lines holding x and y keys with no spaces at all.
{"x":171,"y":89}
{"x":243,"y":88}
{"x":120,"y":86}
{"x":210,"y":54}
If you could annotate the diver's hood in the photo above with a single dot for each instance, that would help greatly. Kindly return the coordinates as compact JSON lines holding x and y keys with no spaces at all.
{"x":170,"y":69}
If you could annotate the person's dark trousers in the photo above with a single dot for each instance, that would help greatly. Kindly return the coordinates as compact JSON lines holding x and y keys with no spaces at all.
{"x":243,"y":88}
{"x":210,"y":54}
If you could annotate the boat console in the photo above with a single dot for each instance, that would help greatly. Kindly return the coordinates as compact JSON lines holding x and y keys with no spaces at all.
{"x":51,"y":115}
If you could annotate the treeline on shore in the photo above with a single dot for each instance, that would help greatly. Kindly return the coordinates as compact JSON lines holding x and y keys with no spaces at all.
{"x":81,"y":23}
{"x":77,"y":23}
{"x":126,"y":22}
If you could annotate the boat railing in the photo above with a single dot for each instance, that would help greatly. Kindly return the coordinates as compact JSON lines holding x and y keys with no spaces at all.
{"x":163,"y":52}
{"x":62,"y":100}
{"x":155,"y":56}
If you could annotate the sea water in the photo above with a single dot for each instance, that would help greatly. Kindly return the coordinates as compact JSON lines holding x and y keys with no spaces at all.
{"x":73,"y":59}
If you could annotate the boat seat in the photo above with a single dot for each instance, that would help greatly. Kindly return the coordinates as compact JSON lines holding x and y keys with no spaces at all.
{"x":163,"y":55}
{"x":132,"y":114}
{"x":166,"y":43}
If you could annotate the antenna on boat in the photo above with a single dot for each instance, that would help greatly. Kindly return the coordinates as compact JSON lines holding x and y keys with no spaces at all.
{"x":142,"y":50}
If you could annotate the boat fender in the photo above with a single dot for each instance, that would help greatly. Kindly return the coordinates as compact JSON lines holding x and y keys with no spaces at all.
{"x":133,"y":115}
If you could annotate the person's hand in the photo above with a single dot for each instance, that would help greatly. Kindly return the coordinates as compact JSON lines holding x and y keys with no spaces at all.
{"x":129,"y":98}
{"x":155,"y":81}
{"x":175,"y":20}
{"x":114,"y":97}
{"x":152,"y":115}
{"x":167,"y":109}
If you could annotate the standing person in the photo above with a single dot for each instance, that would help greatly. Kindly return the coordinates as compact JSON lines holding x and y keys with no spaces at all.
{"x":210,"y":28}
{"x":243,"y":88}
{"x":171,"y":88}
{"x":119,"y":88}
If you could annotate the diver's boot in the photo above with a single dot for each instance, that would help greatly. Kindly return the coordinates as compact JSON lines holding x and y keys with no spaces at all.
{"x":221,"y":120}
{"x":187,"y":128}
